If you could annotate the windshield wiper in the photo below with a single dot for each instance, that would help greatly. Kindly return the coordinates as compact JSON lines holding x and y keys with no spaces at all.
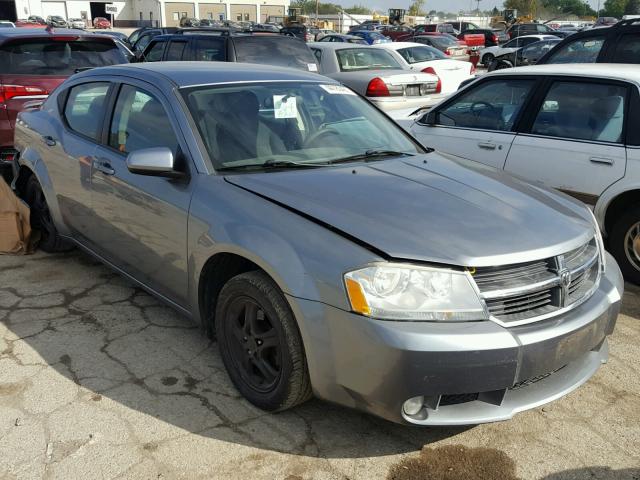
{"x":371,"y":155}
{"x":269,"y":164}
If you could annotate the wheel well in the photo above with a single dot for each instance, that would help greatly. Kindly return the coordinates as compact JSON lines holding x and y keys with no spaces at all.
{"x":218,"y":270}
{"x":23,"y":177}
{"x":618,"y":206}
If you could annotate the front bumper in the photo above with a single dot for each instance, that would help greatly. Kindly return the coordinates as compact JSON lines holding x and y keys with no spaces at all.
{"x":468,"y":373}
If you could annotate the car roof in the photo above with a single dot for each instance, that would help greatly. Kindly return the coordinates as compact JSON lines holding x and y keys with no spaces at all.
{"x":42,"y":32}
{"x":338,"y":46}
{"x":597,"y":70}
{"x":185,"y":74}
{"x":399,"y":45}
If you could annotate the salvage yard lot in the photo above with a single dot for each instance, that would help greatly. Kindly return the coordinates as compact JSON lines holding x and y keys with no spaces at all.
{"x":99,"y":380}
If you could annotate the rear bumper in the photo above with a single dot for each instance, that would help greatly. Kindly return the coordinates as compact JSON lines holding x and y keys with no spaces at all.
{"x":404,"y":104}
{"x":468,"y":373}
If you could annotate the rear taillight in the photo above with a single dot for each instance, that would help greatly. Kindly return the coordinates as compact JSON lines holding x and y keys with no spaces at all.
{"x":447,"y":52}
{"x":377,"y":88}
{"x":433,"y":72}
{"x":7,"y":92}
{"x":494,"y":38}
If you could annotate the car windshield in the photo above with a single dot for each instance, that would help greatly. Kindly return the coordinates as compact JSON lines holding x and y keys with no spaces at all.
{"x":262,"y":125}
{"x":57,"y":57}
{"x":421,"y":54}
{"x":354,"y":59}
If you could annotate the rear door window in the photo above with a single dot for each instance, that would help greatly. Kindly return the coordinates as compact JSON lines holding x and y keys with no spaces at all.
{"x":582,"y":111}
{"x":42,"y":56}
{"x":84,"y":109}
{"x":176,"y":50}
{"x":583,"y":50}
{"x":210,"y":50}
{"x":155,"y":51}
{"x":628,"y":49}
{"x":278,"y":51}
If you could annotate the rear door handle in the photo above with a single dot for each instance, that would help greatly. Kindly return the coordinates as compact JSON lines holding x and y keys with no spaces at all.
{"x":605,"y":160}
{"x":104,"y":167}
{"x":487,"y":145}
{"x":49,"y":140}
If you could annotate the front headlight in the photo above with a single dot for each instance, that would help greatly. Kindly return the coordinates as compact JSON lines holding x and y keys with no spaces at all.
{"x":407,"y":292}
{"x":599,"y":241}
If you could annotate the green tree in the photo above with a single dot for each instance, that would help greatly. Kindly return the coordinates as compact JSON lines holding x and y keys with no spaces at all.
{"x":416,"y":8}
{"x":614,"y":8}
{"x":358,"y":10}
{"x":632,"y":8}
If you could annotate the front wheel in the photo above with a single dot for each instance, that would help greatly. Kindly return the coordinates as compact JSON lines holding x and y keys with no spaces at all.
{"x":487,"y":59}
{"x":260,"y":343}
{"x":624,"y":244}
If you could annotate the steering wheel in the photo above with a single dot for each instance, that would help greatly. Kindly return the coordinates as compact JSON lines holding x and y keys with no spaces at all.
{"x":318,"y":135}
{"x":476,"y":113}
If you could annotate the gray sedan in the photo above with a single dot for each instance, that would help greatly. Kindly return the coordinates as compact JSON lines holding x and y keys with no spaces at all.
{"x":330,"y":254}
{"x":376,"y":74}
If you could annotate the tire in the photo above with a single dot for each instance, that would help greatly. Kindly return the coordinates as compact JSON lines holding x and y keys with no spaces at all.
{"x":621,"y":244}
{"x":501,"y":65}
{"x":41,"y":220}
{"x":264,"y":355}
{"x":487,"y":59}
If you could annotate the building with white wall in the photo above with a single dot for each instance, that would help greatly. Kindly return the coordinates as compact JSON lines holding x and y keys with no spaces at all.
{"x":133,"y":13}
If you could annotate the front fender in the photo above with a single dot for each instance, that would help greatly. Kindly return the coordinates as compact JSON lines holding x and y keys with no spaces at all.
{"x":305,"y":259}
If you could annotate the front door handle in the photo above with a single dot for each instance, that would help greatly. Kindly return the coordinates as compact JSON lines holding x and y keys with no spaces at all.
{"x":605,"y":160}
{"x":487,"y":145}
{"x":49,"y":140}
{"x":104,"y":167}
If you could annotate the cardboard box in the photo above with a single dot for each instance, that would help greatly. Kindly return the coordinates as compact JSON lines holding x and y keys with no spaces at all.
{"x":15,"y":224}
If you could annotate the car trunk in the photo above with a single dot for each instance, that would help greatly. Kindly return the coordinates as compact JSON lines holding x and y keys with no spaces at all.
{"x":450,"y":72}
{"x":409,"y":84}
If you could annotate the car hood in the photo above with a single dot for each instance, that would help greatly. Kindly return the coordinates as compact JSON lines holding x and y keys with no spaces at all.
{"x":433,"y":208}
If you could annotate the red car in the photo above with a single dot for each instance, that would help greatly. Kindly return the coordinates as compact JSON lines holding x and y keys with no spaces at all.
{"x":101,"y":22}
{"x":27,"y":24}
{"x":35,"y":62}
{"x":396,"y":31}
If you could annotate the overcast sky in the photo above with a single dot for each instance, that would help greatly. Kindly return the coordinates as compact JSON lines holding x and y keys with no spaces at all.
{"x":445,"y":5}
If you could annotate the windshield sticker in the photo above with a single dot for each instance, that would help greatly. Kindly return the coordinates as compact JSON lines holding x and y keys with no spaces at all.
{"x":285,"y":106}
{"x":337,"y":89}
{"x":312,"y":67}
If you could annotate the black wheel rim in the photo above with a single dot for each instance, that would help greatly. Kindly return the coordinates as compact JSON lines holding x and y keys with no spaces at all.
{"x":40,"y":216}
{"x":254,"y":344}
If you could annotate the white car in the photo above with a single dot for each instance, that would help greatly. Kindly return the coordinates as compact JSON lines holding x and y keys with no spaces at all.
{"x":574,"y":127}
{"x":489,"y":53}
{"x":77,"y":23}
{"x":422,"y":58}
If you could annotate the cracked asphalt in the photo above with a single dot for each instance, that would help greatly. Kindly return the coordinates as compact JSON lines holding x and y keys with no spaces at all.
{"x":99,"y":380}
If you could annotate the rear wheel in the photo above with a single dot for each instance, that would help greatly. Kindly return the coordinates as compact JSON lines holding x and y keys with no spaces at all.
{"x":41,"y":220}
{"x":624,"y":244}
{"x":260,"y":343}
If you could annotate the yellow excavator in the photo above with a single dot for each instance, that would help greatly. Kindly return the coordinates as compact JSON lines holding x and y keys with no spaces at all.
{"x":510,"y":17}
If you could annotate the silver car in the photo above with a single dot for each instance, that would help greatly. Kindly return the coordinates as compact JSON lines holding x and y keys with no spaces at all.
{"x":330,"y":254}
{"x":377,"y":75}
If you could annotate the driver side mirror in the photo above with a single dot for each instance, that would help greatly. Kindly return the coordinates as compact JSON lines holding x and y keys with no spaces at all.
{"x":430,"y":118}
{"x":155,"y":161}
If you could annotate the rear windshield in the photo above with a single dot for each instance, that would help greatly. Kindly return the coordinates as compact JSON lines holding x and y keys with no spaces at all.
{"x":57,"y":57}
{"x":352,"y":59}
{"x":274,"y":50}
{"x":421,"y":54}
{"x":444,"y":41}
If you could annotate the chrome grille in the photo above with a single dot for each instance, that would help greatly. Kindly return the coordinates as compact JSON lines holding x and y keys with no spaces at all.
{"x":531,"y":291}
